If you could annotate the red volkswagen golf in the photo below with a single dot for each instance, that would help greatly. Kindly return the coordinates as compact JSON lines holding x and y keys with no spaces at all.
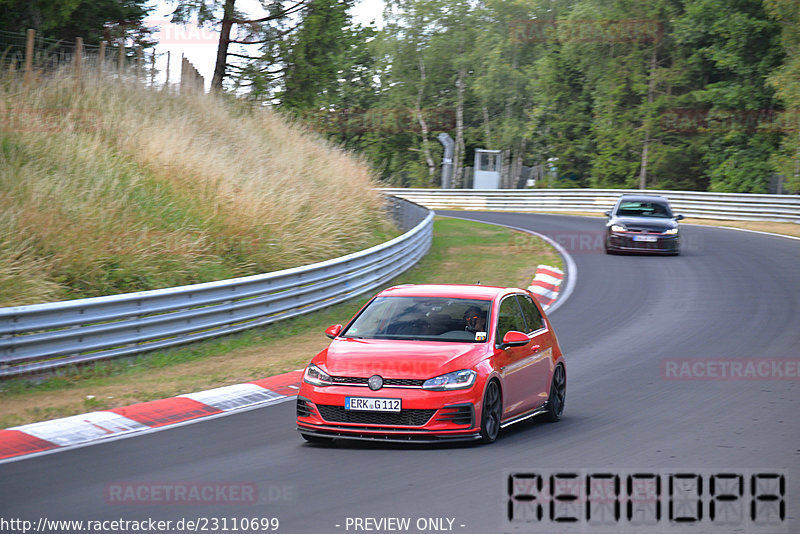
{"x":432,"y":363}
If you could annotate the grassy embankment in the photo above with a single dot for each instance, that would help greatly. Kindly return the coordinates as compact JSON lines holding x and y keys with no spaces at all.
{"x":117,"y":188}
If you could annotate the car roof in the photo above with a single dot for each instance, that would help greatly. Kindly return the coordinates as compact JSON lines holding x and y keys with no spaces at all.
{"x":448,"y":291}
{"x":645,"y":198}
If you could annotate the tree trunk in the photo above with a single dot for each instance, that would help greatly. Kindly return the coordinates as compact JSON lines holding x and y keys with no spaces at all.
{"x":426,"y":150}
{"x":651,"y":86}
{"x":505,"y":169}
{"x":516,"y":163}
{"x":487,"y":132}
{"x":458,"y":156}
{"x":222,"y":49}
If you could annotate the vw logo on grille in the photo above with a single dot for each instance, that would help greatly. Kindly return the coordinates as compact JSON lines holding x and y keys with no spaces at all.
{"x":375,"y":383}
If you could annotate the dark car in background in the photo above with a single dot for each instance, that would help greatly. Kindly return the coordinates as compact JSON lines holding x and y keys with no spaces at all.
{"x":642,"y":223}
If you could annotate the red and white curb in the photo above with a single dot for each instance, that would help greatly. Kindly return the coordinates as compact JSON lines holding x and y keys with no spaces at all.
{"x":546,"y":285}
{"x":82,"y":429}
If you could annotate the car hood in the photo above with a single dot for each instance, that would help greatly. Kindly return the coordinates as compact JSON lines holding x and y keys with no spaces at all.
{"x":645,"y":223}
{"x":397,"y":358}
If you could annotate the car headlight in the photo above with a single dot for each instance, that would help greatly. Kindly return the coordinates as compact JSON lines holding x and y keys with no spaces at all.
{"x":671,"y":231}
{"x":617,"y":228}
{"x":455,"y":380}
{"x":316,"y":376}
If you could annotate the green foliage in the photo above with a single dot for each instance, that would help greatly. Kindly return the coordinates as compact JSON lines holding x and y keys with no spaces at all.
{"x":316,"y":54}
{"x":785,"y":80}
{"x":586,"y":86}
{"x":91,"y":20}
{"x":598,"y":108}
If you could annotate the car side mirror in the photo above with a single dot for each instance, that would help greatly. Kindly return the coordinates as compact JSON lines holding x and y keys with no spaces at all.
{"x":607,"y":213}
{"x":333,"y":330}
{"x":679,"y":217}
{"x":513,"y":338}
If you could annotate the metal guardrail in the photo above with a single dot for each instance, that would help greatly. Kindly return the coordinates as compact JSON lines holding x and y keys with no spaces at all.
{"x":45,"y":336}
{"x":732,"y":206}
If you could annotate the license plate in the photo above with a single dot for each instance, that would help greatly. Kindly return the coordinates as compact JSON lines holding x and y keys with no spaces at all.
{"x":369,"y":404}
{"x":645,"y":238}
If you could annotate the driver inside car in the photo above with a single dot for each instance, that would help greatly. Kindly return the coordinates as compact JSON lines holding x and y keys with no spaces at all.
{"x":475,"y":319}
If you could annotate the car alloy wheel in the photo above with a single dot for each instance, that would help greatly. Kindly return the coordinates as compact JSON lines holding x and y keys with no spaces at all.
{"x":558,"y":394}
{"x":491,"y":412}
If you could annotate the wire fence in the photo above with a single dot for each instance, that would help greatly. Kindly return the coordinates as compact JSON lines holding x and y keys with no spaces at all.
{"x":28,"y":57}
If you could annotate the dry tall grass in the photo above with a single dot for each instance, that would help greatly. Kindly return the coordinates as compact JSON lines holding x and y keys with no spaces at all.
{"x":117,"y":188}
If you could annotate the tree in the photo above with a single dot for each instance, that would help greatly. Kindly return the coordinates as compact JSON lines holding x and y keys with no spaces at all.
{"x":731,"y":47}
{"x":224,"y":12}
{"x":68,"y":19}
{"x":315,"y":54}
{"x":785,"y":80}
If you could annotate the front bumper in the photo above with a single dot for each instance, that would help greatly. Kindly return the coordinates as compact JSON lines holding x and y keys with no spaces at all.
{"x":425,"y":416}
{"x":624,"y":242}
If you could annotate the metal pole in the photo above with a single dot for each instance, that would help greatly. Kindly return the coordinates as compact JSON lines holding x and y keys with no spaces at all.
{"x":166,"y":83}
{"x":447,"y":160}
{"x":153,"y":69}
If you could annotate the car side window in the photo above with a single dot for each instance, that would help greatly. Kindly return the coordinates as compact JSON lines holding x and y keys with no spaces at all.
{"x":509,"y":318}
{"x":532,"y":316}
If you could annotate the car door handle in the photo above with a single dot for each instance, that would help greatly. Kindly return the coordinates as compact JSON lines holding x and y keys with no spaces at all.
{"x":535,"y":348}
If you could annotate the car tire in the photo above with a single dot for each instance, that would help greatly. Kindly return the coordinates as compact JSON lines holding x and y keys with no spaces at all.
{"x":320,"y":440}
{"x":558,"y":394}
{"x":491,"y":412}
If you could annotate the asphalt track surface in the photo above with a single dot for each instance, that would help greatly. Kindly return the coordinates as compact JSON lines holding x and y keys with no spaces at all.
{"x":731,"y":296}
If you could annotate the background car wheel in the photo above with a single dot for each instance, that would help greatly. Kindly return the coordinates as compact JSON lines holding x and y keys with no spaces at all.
{"x":558,"y":394}
{"x":316,"y":439}
{"x":491,"y":412}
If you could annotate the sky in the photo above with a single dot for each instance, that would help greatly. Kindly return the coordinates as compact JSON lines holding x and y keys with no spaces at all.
{"x":199,"y":44}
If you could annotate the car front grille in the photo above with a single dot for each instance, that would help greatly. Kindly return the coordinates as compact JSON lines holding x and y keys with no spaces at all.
{"x":407,"y":382}
{"x":359,"y":381}
{"x":348,"y":380}
{"x":337,"y":414}
{"x":662,"y":244}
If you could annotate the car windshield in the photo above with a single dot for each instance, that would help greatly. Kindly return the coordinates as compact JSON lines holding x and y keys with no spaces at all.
{"x":645,"y":208}
{"x":422,"y":318}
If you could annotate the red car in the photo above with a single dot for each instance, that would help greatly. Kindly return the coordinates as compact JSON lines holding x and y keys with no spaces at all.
{"x":432,"y":363}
